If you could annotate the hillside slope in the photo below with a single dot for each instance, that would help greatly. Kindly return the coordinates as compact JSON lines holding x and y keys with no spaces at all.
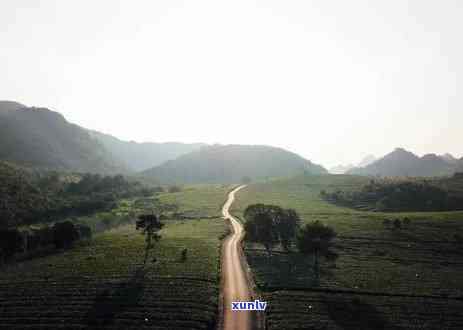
{"x":41,"y":138}
{"x":142,"y":156}
{"x":231,"y":163}
{"x":401,"y":162}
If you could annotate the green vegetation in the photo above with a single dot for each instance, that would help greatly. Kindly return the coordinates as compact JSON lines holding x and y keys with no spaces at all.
{"x":99,"y":282}
{"x":41,"y":138}
{"x":270,"y":225}
{"x":402,"y":195}
{"x":31,"y":197}
{"x":406,"y":277}
{"x":150,"y":226}
{"x":232,"y":164}
{"x":198,"y":201}
{"x":316,"y":239}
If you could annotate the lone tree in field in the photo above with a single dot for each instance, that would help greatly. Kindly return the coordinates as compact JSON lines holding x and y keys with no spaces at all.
{"x":316,"y":239}
{"x":150,"y":225}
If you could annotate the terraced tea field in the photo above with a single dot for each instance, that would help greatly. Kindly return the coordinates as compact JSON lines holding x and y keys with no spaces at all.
{"x":376,"y":264}
{"x":200,"y":200}
{"x":98,"y":283}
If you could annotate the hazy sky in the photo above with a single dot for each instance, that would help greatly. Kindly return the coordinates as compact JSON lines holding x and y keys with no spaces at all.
{"x":330,"y":80}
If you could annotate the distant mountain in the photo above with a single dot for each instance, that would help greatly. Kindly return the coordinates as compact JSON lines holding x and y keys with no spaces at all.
{"x":401,"y":162}
{"x":231,"y":163}
{"x":141,"y":156}
{"x":367,"y":160}
{"x":41,"y":138}
{"x":449,"y":158}
{"x":341,"y":169}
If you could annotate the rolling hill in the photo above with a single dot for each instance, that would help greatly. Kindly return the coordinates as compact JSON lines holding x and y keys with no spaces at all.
{"x":142,"y":156}
{"x":41,"y":138}
{"x":401,"y":162}
{"x":232,"y":163}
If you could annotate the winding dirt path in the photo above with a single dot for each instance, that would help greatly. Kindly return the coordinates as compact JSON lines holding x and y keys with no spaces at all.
{"x":235,"y":283}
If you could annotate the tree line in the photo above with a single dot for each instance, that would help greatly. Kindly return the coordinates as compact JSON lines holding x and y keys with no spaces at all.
{"x":27,"y":197}
{"x":405,"y":195}
{"x":61,"y":235}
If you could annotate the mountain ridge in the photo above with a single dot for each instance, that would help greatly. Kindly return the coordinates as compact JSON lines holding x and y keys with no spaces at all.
{"x":232,"y":163}
{"x":401,"y":162}
{"x":42,"y":138}
{"x":140,"y":156}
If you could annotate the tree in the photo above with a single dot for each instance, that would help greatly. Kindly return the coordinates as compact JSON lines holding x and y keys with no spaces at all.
{"x":407,"y":222}
{"x":316,"y":239}
{"x":270,"y":225}
{"x":265,"y":231}
{"x":260,"y":225}
{"x":65,"y":234}
{"x":287,"y":224}
{"x":11,"y":241}
{"x":150,"y":225}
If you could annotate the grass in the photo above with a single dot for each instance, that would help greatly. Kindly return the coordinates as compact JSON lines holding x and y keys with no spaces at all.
{"x":99,"y":284}
{"x":421,"y":260}
{"x":199,"y":200}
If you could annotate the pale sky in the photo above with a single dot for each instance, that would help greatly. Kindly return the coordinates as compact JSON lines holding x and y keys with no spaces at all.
{"x":330,"y":80}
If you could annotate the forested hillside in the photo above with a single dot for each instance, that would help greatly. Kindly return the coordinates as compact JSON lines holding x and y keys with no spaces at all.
{"x":41,"y":138}
{"x":233,"y":163}
{"x":403,"y":195}
{"x":31,"y":197}
{"x":141,"y":156}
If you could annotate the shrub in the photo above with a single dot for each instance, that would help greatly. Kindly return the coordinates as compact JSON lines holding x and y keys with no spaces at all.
{"x":174,"y":189}
{"x":397,"y":224}
{"x":184,"y":254}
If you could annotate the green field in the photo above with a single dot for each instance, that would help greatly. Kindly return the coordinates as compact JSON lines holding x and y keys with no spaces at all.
{"x":374,"y":261}
{"x":98,"y":283}
{"x":204,"y":200}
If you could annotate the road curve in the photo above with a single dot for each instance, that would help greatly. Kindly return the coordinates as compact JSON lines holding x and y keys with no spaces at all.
{"x":235,"y":284}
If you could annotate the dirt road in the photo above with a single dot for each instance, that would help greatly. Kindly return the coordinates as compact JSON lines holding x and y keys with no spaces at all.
{"x":235,"y":284}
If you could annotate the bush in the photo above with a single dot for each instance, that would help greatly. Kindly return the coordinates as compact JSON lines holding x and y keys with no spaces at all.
{"x":397,"y":224}
{"x":65,"y":234}
{"x":174,"y":189}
